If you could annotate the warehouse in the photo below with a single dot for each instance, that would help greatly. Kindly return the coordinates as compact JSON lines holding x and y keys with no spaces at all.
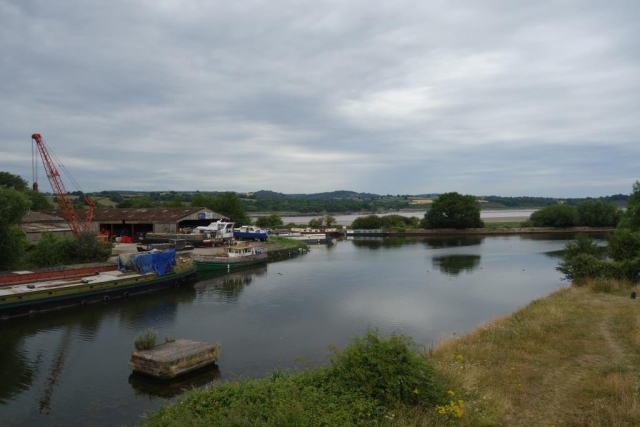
{"x":136,"y":222}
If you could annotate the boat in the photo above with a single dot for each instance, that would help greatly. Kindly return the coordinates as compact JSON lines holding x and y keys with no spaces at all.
{"x":235,"y":258}
{"x":135,"y":273}
{"x":216,"y":230}
{"x":197,"y":240}
{"x":250,"y":232}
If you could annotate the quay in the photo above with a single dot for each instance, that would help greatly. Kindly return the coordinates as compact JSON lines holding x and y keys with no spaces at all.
{"x":172,"y":359}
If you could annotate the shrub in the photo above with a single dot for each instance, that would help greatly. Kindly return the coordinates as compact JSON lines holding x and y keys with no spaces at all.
{"x":555,"y":216}
{"x":51,"y":251}
{"x":146,"y":340}
{"x":597,"y":214}
{"x":369,"y":222}
{"x":624,"y":245}
{"x":390,"y":370}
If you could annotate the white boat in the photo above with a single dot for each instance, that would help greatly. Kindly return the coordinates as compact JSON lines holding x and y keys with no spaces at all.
{"x":218,"y":230}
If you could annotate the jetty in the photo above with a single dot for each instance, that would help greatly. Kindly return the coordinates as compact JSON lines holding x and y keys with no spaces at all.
{"x":175,"y":358}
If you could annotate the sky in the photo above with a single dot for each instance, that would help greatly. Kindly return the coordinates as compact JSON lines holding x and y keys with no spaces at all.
{"x":537,"y":98}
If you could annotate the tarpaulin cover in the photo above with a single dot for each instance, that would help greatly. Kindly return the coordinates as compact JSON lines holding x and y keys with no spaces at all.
{"x":163,"y":262}
{"x":143,"y":262}
{"x":125,"y":262}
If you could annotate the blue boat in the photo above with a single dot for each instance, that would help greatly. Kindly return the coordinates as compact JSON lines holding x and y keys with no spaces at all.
{"x":250,"y":232}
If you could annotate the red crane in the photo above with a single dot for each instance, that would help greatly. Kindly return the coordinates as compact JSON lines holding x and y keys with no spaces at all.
{"x":76,"y":224}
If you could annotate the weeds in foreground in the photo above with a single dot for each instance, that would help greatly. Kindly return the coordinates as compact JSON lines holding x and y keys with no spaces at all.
{"x":146,"y":340}
{"x":365,"y":384}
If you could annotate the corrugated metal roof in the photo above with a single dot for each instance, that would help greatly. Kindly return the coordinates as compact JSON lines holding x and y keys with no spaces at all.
{"x":41,"y":227}
{"x":139,"y":214}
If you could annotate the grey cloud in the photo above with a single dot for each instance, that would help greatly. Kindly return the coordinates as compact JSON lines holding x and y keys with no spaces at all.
{"x":498,"y":97}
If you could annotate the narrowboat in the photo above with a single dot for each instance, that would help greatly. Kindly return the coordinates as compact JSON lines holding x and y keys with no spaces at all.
{"x":236,"y":258}
{"x":135,"y":274}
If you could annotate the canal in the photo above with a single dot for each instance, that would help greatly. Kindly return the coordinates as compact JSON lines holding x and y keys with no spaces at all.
{"x":70,"y":367}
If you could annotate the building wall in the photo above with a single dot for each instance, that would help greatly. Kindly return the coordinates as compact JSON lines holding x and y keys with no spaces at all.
{"x":164,"y":227}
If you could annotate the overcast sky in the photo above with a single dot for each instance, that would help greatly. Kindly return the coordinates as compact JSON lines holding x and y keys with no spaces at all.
{"x":481,"y":97}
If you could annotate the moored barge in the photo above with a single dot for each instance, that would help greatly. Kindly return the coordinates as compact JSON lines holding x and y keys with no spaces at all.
{"x":236,"y":258}
{"x":136,"y":274}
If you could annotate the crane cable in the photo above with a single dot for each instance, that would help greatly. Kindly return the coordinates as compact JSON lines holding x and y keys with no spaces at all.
{"x":64,"y":169}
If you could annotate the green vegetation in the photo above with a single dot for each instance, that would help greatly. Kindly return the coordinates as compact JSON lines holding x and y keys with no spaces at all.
{"x":286,"y":243}
{"x":146,"y":340}
{"x":51,"y":251}
{"x":568,"y":359}
{"x":453,"y":210}
{"x":375,"y":222}
{"x":227,"y":204}
{"x":271,"y":221}
{"x":13,"y":242}
{"x":589,"y":214}
{"x":364,"y":384}
{"x":506,"y":224}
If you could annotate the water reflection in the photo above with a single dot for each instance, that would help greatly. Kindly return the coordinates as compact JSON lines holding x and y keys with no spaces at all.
{"x":453,"y":265}
{"x":229,"y":286}
{"x":144,"y":385}
{"x":16,"y":370}
{"x":452,"y":241}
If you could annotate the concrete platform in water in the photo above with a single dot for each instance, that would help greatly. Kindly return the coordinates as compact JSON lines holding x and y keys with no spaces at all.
{"x":172,"y":359}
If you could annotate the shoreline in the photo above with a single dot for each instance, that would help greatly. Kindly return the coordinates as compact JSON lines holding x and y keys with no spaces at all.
{"x":482,"y":231}
{"x":569,"y":358}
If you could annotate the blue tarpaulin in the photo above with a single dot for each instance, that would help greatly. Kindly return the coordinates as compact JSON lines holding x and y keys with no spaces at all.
{"x":160,"y":262}
{"x":163,"y":262}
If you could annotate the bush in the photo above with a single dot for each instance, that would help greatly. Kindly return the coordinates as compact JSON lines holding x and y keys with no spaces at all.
{"x":555,"y":216}
{"x":369,"y":222}
{"x":362,"y":384}
{"x":597,"y":214}
{"x":391,"y":370}
{"x":146,"y":340}
{"x":453,"y":210}
{"x":51,"y":251}
{"x":624,"y":245}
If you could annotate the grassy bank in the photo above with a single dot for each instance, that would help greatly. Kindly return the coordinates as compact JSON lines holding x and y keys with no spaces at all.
{"x":507,"y":224}
{"x":572,"y":358}
{"x":285,"y":243}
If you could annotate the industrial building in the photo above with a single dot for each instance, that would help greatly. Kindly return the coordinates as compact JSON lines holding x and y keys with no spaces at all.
{"x":136,"y":222}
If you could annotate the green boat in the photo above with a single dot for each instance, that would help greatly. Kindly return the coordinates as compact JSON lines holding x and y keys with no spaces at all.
{"x":235,"y":258}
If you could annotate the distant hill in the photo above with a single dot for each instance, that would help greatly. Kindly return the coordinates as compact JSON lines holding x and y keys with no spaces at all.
{"x":339,"y":194}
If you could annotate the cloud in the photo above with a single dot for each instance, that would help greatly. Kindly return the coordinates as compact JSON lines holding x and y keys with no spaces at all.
{"x":485,"y":98}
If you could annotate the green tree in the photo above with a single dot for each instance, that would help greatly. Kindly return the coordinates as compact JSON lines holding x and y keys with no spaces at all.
{"x":38,"y":201}
{"x":229,"y":204}
{"x":555,"y":216}
{"x":176,"y":202}
{"x":597,"y":213}
{"x":329,"y":220}
{"x":13,"y":205}
{"x":314,"y":223}
{"x":623,"y":245}
{"x":270,"y":221}
{"x":11,"y":181}
{"x":368,"y":222}
{"x":631,"y":218}
{"x":453,"y":210}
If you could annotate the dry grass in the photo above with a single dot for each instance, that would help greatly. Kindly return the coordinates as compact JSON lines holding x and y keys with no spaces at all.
{"x":571,"y":358}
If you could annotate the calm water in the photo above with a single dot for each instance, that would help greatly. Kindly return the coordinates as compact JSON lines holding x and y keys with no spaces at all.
{"x":347,"y":219}
{"x":70,"y":367}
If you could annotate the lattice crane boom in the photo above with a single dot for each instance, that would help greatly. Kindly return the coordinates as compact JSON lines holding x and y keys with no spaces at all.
{"x":74,"y":221}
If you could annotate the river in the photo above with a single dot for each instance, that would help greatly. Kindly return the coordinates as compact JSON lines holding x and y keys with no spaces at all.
{"x":486,"y":215}
{"x":70,"y":367}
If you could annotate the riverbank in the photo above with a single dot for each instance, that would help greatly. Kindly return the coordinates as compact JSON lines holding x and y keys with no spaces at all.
{"x":567,"y":359}
{"x":495,"y":230}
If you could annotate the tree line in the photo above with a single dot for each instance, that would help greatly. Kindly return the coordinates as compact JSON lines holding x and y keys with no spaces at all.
{"x":17,"y":253}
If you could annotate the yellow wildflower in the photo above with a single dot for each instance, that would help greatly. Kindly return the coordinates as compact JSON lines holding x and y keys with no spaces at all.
{"x":451,"y":393}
